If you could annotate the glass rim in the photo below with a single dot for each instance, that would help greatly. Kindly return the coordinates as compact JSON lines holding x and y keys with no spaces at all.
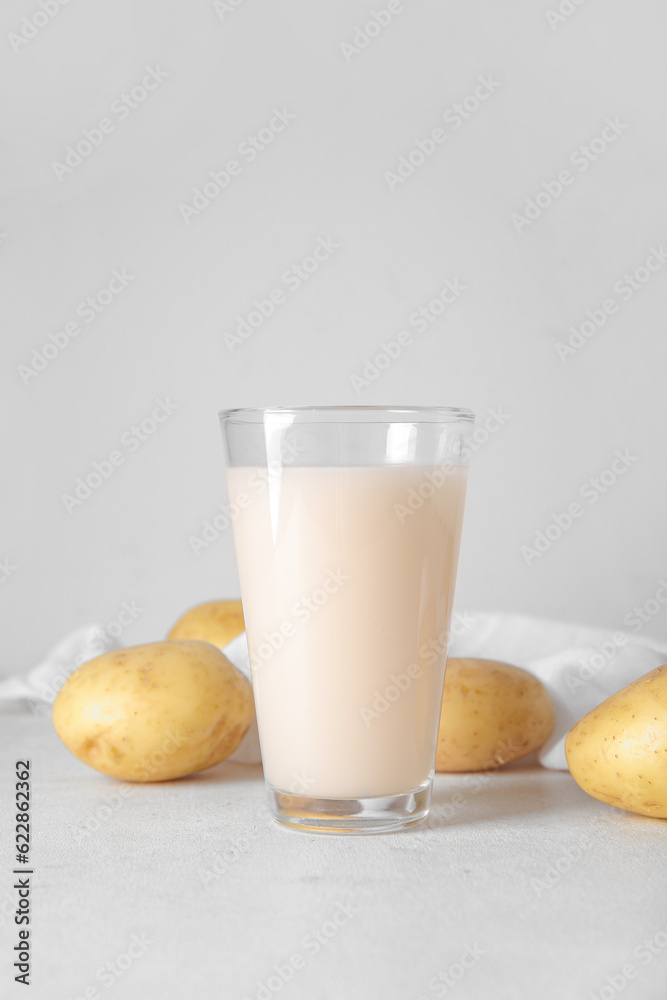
{"x":393,"y":414}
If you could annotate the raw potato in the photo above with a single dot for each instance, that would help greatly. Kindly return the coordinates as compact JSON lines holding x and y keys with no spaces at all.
{"x":154,"y":712}
{"x":492,"y":713}
{"x":217,"y":622}
{"x":618,"y":752}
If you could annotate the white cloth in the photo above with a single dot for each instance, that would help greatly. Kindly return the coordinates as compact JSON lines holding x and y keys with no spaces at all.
{"x":578,"y":665}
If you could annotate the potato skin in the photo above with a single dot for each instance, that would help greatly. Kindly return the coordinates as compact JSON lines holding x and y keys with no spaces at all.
{"x":154,"y":712}
{"x":618,"y":752}
{"x":217,"y":622}
{"x":492,"y":713}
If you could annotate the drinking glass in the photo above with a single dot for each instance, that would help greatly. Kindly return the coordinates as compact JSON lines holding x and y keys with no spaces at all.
{"x":347,"y":523}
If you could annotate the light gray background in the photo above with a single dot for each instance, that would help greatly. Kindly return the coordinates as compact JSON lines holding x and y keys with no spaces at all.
{"x":325,"y":176}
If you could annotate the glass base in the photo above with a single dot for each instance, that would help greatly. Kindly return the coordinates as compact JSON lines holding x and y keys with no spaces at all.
{"x":378,"y":814}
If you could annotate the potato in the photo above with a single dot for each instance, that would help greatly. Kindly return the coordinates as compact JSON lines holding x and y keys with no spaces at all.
{"x":492,"y":713}
{"x":217,"y":622}
{"x":618,"y":752}
{"x":154,"y":712}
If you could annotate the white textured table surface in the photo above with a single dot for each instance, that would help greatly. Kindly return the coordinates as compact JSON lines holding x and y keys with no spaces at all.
{"x":522,"y":888}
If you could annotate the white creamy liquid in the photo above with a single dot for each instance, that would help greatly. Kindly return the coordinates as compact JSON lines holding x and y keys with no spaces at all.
{"x":347,"y":577}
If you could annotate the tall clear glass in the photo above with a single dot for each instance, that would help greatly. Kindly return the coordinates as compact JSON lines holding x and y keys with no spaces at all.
{"x":347,"y":523}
